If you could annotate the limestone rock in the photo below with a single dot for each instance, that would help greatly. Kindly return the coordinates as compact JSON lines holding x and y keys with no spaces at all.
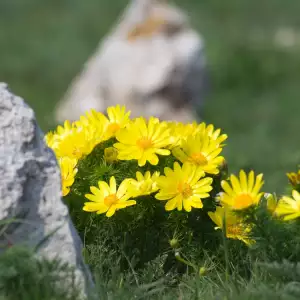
{"x":30,"y":189}
{"x":153,"y":62}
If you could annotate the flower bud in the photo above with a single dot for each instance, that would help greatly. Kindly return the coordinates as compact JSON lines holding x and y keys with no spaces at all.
{"x":271,"y":202}
{"x":174,"y":243}
{"x":223,"y":167}
{"x":202,"y":271}
{"x":294,"y":179}
{"x":110,"y":154}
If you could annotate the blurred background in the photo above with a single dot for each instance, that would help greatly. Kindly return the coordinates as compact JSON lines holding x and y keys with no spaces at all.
{"x":253,"y":53}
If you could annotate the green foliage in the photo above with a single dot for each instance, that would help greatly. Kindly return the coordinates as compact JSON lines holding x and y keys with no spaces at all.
{"x":140,"y":234}
{"x":24,"y":277}
{"x":144,"y":252}
{"x":276,"y":240}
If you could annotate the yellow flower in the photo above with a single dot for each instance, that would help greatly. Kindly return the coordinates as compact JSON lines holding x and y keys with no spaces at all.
{"x":79,"y":138}
{"x":179,"y":132}
{"x":144,"y":185}
{"x":68,"y":171}
{"x":234,"y":226}
{"x":107,"y":198}
{"x":201,"y":151}
{"x":182,"y":187}
{"x":209,"y":130}
{"x":143,"y":141}
{"x":79,"y":142}
{"x":52,"y":138}
{"x":62,"y":131}
{"x":288,"y":207}
{"x":243,"y":191}
{"x":118,"y":118}
{"x":73,"y":140}
{"x":106,"y":127}
{"x":110,"y":154}
{"x":294,"y":178}
{"x":96,"y":123}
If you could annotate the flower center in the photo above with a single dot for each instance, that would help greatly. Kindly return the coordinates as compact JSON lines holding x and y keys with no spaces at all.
{"x":110,"y":200}
{"x":199,"y":159}
{"x":185,"y":189}
{"x":234,"y":230}
{"x":113,"y":128}
{"x":243,"y":201}
{"x":144,"y":143}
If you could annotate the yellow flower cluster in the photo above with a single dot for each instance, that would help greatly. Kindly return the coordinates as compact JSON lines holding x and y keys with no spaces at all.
{"x":241,"y":193}
{"x":196,"y":147}
{"x":74,"y":140}
{"x":244,"y":192}
{"x":196,"y":150}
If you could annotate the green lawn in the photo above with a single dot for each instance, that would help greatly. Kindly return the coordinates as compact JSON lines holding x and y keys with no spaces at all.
{"x":254,"y":91}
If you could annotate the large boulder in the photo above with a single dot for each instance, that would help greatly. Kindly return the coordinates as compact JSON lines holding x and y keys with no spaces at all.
{"x":30,"y":189}
{"x":153,"y":62}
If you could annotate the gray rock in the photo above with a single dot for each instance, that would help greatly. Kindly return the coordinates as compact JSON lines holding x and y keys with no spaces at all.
{"x":30,"y":189}
{"x":152,"y":61}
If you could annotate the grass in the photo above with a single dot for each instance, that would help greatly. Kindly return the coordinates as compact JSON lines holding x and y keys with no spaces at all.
{"x":254,"y":82}
{"x":241,"y":273}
